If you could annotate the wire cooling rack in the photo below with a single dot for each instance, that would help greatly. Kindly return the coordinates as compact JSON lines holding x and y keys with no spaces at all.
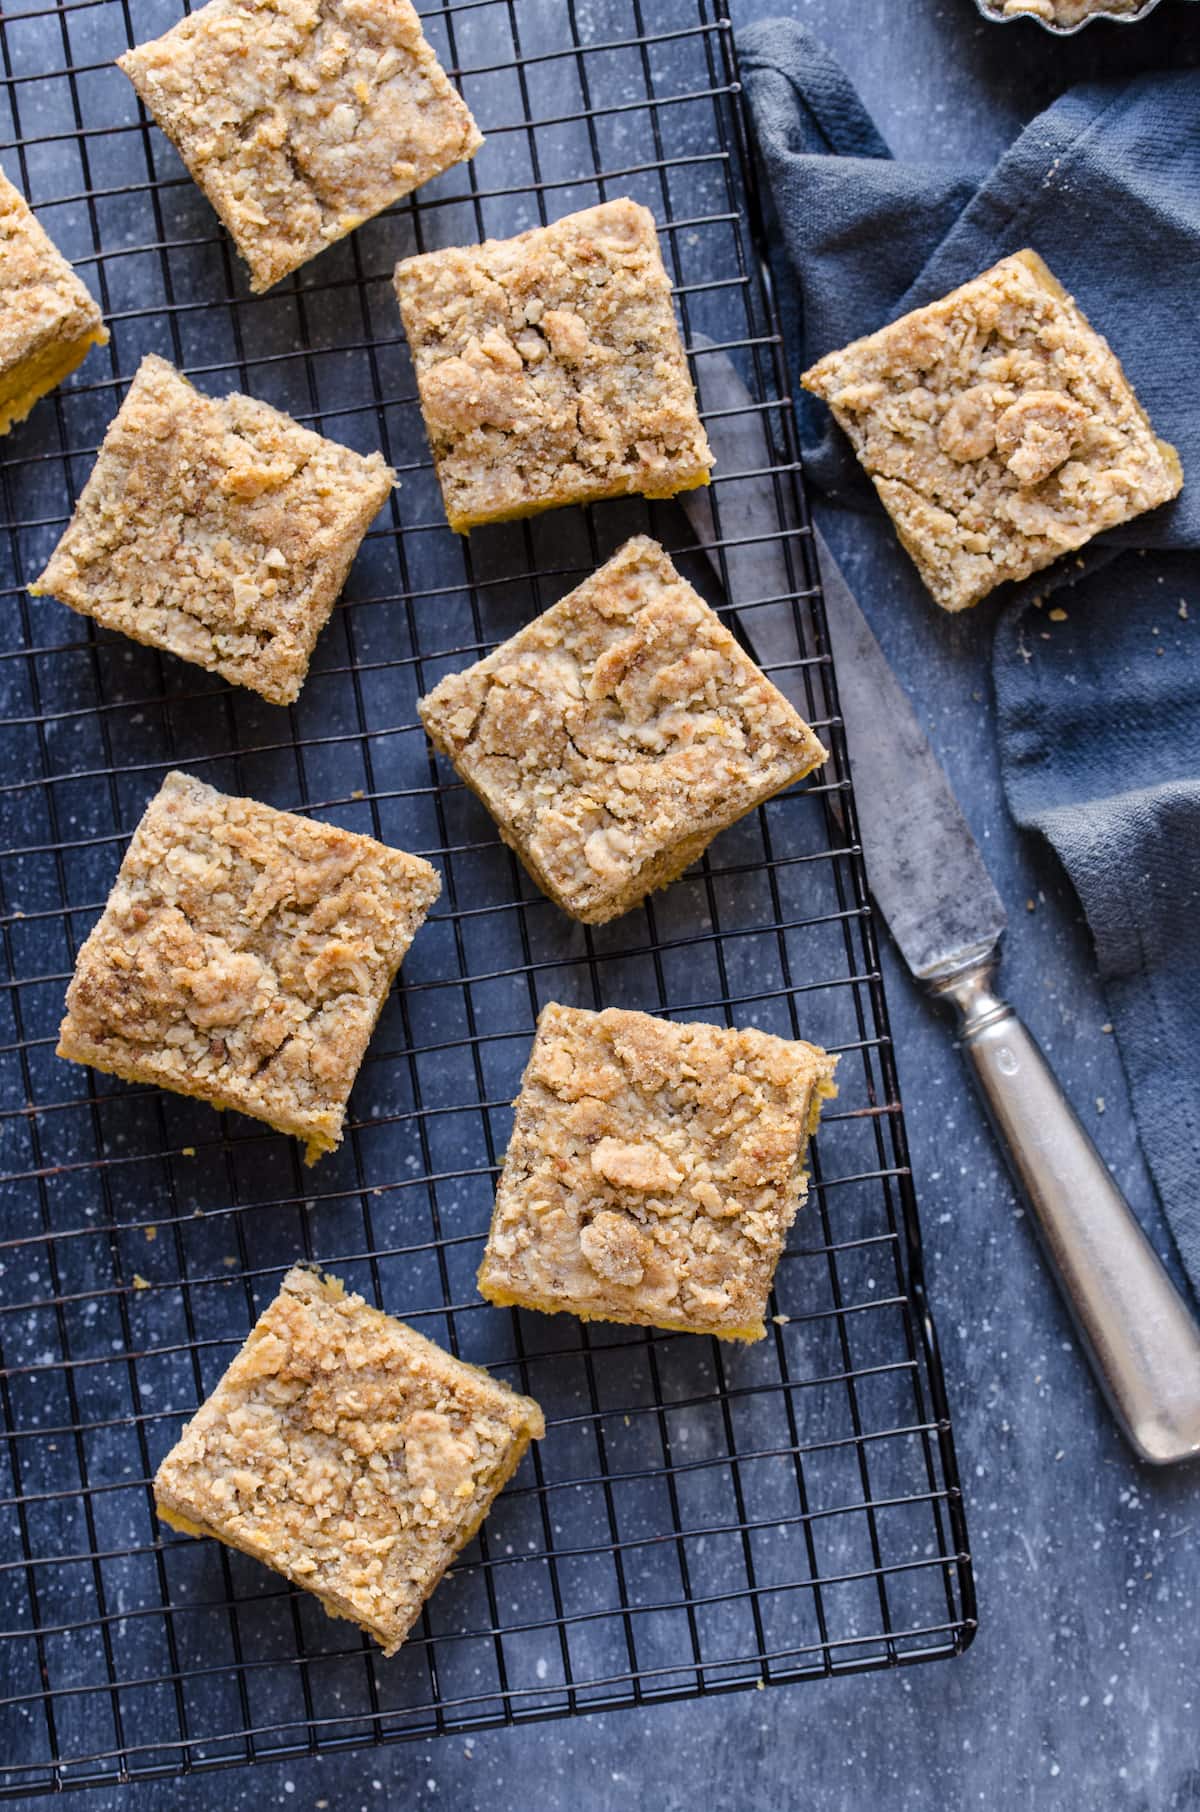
{"x":698,"y":1518}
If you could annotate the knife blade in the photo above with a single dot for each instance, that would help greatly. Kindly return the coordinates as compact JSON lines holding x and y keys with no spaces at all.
{"x":931,"y":884}
{"x":934,"y":891}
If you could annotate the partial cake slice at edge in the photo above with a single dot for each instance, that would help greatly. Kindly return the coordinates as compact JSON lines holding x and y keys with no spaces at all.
{"x":56,"y":315}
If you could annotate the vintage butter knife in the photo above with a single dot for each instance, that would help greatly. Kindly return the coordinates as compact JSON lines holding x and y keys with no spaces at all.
{"x":930,"y":883}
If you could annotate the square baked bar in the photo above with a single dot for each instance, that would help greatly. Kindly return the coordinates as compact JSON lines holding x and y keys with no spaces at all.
{"x":349,"y":1453}
{"x":615,"y":735}
{"x":654,"y":1171}
{"x":998,"y":428}
{"x":300,"y":119}
{"x":48,"y":321}
{"x":243,"y":957}
{"x":550,"y":369}
{"x":218,"y":529}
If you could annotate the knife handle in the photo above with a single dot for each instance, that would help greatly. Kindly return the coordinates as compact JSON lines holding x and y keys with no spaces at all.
{"x":1141,"y":1338}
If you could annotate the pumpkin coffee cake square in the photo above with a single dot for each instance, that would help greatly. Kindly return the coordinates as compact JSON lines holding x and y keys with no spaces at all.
{"x":347,"y":1452}
{"x":654,"y":1171}
{"x":244,"y":957}
{"x":614,"y":736}
{"x":998,"y":428}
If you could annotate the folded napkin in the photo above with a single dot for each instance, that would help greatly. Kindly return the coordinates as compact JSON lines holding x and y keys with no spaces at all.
{"x":1098,"y":710}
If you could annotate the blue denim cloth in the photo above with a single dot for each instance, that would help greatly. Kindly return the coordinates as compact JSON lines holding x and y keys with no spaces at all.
{"x":1099,"y":722}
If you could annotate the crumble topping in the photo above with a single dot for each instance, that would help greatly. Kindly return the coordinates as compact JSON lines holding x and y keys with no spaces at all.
{"x":347,"y":1452}
{"x":244,"y":956}
{"x":218,"y":529}
{"x":615,"y":735}
{"x":998,"y":428}
{"x":550,"y":368}
{"x":1067,"y":12}
{"x":300,"y":119}
{"x":654,"y":1171}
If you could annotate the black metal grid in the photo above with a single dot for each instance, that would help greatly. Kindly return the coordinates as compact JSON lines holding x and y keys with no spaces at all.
{"x":698,"y":1518}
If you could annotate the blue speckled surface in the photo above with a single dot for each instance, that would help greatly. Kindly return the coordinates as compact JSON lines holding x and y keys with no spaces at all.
{"x":1082,"y":1688}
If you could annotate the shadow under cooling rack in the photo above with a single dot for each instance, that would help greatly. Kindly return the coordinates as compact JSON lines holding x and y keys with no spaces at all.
{"x":699,"y":1518}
